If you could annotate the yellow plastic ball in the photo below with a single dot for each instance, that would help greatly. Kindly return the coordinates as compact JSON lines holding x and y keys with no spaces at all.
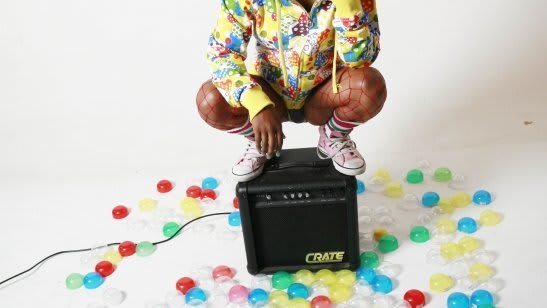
{"x":346,"y":277}
{"x":113,"y":256}
{"x":379,"y":233}
{"x":326,"y":276}
{"x":278,"y":299}
{"x":440,"y":282}
{"x":461,"y":199}
{"x":489,"y":218}
{"x":147,"y":205}
{"x":188,"y":202}
{"x":394,"y":190}
{"x":469,"y":243}
{"x":451,"y":251}
{"x":193,"y":212}
{"x":480,"y":272}
{"x":445,"y":206}
{"x":383,"y":174}
{"x":340,"y":293}
{"x":299,"y":303}
{"x":446,"y":226}
{"x":305,"y":277}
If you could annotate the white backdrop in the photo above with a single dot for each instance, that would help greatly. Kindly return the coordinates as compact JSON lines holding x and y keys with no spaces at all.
{"x":97,"y":103}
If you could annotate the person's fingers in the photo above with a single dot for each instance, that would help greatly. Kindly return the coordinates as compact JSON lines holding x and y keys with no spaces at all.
{"x":272,"y":142}
{"x":264,"y":145}
{"x":258,"y":139}
{"x":279,"y":136}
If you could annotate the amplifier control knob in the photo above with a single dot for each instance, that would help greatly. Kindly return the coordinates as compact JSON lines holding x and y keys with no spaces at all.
{"x":300,"y":195}
{"x":292,"y":195}
{"x":285,"y":196}
{"x":268,"y":196}
{"x":307,"y":194}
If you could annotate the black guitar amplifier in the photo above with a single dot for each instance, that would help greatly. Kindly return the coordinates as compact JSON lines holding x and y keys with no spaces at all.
{"x":299,"y":214}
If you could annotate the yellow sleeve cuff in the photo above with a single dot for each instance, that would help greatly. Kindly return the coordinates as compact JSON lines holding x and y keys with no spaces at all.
{"x":254,"y":100}
{"x":348,"y":8}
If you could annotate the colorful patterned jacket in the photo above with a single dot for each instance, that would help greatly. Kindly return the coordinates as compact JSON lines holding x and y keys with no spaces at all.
{"x":310,"y":43}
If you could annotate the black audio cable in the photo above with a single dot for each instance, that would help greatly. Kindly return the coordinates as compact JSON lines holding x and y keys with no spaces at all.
{"x":107,"y":245}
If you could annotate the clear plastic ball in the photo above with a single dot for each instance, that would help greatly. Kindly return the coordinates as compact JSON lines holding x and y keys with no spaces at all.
{"x":466,"y":283}
{"x":459,"y":182}
{"x":261,"y":281}
{"x":439,"y":237}
{"x":226,"y":284}
{"x":174,"y":299}
{"x":410,"y":202}
{"x":361,"y":301}
{"x":425,"y":166}
{"x":376,"y":184}
{"x":484,"y":256}
{"x":113,"y":296}
{"x":319,"y":288}
{"x":367,"y":242}
{"x":383,"y":301}
{"x":459,"y":268}
{"x":389,"y":269}
{"x":434,"y":256}
{"x":493,"y":285}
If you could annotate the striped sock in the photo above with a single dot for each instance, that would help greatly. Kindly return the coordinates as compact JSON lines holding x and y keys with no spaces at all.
{"x":246,"y":130}
{"x":338,"y":128}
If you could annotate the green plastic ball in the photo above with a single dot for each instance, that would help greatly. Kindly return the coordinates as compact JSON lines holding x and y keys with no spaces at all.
{"x":170,"y":229}
{"x":442,"y":174}
{"x":74,"y":281}
{"x":369,"y":259}
{"x":145,"y":248}
{"x":281,"y":280}
{"x":415,"y":176}
{"x":388,"y":243}
{"x":419,"y":234}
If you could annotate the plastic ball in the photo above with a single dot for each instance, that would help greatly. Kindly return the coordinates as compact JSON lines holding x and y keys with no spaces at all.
{"x":164,"y":186}
{"x":235,"y":203}
{"x":278,"y":298}
{"x":340,"y":293}
{"x":444,"y":206}
{"x":485,"y":306}
{"x":305,"y":277}
{"x":208,"y":194}
{"x":257,"y":297}
{"x":238,"y":294}
{"x":460,"y":199}
{"x":170,"y":229}
{"x":430,"y":199}
{"x":451,"y":251}
{"x":93,"y":280}
{"x":383,"y":174}
{"x":394,"y":190}
{"x":442,"y":174}
{"x":147,"y":205}
{"x":195,"y":295}
{"x":446,"y":226}
{"x":112,"y":296}
{"x":388,"y":243}
{"x":113,"y":256}
{"x":482,"y":297}
{"x":184,"y":284}
{"x":467,"y":225}
{"x":381,"y":284}
{"x":409,"y":203}
{"x":127,"y":248}
{"x":193,"y":191}
{"x":415,"y":176}
{"x":379,"y":233}
{"x":419,"y":234}
{"x":298,"y":290}
{"x":376,"y":184}
{"x":326,"y":276}
{"x":415,"y":298}
{"x":321,"y":301}
{"x":281,"y":280}
{"x":360,"y":187}
{"x":120,"y":212}
{"x":489,"y":218}
{"x":222,"y":272}
{"x":190,"y":208}
{"x":369,"y":259}
{"x":346,"y":277}
{"x":469,"y":244}
{"x":483,"y":256}
{"x":457,"y":300}
{"x":145,"y":249}
{"x":440,"y":282}
{"x":74,"y":281}
{"x":234,"y":219}
{"x":482,"y":197}
{"x":480,"y":272}
{"x":209,"y":183}
{"x":298,"y":303}
{"x":105,"y":268}
{"x":365,"y":274}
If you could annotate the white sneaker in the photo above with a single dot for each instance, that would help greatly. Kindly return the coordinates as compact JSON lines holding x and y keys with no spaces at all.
{"x":250,"y":165}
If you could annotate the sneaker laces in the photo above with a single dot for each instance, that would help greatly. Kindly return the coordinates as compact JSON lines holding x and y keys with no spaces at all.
{"x":342,"y":145}
{"x":251,"y":153}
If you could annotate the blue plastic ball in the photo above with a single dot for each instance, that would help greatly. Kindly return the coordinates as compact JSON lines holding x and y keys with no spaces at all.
{"x":257,"y":297}
{"x":482,"y":197}
{"x":298,"y":290}
{"x":430,"y":199}
{"x":467,"y":225}
{"x":365,"y":274}
{"x":457,"y":300}
{"x":360,"y":187}
{"x":93,"y":280}
{"x":195,"y":295}
{"x":381,"y":284}
{"x":482,"y":297}
{"x":234,"y":219}
{"x":209,"y":183}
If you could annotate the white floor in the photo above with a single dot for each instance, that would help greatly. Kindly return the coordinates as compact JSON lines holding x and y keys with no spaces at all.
{"x":96,"y":105}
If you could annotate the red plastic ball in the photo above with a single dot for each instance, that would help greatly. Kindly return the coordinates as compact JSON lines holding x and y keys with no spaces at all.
{"x":120,"y":212}
{"x":105,"y":268}
{"x":208,"y":193}
{"x":164,"y":186}
{"x":415,"y":298}
{"x":321,"y":301}
{"x":127,"y":248}
{"x":223,"y":271}
{"x":193,"y":191}
{"x":236,"y":202}
{"x":184,"y":284}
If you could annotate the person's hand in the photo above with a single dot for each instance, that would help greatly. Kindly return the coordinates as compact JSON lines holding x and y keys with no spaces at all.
{"x":268,"y":131}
